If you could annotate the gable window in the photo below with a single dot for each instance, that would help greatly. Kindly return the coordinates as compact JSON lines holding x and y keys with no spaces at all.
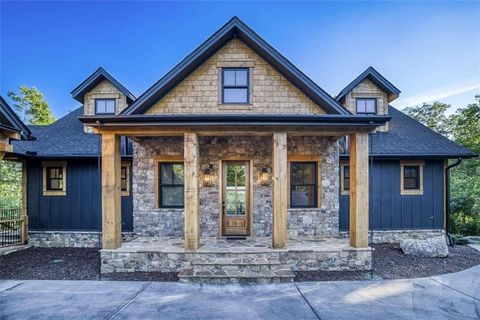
{"x":366,"y":106}
{"x":303,"y":184}
{"x":345,"y":179}
{"x":54,"y":178}
{"x":235,"y":85}
{"x":125,"y":178}
{"x":171,"y":185}
{"x":105,"y":106}
{"x":411,"y":177}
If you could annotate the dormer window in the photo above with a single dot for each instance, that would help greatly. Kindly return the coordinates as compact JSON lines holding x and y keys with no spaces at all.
{"x":366,"y":106}
{"x":105,"y":106}
{"x":235,"y":85}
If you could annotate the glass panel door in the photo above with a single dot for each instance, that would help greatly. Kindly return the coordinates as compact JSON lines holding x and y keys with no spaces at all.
{"x":235,"y":202}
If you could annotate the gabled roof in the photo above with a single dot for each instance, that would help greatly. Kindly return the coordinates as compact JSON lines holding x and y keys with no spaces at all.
{"x":10,"y":121}
{"x":94,"y":79}
{"x":374,"y":76}
{"x":409,"y":139}
{"x":235,"y":28}
{"x":62,"y":139}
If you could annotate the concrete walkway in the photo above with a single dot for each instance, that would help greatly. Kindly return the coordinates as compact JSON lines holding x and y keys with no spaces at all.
{"x":452,"y":296}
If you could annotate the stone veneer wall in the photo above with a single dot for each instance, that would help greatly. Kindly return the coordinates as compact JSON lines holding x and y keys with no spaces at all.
{"x":151,"y":221}
{"x":68,"y":239}
{"x":77,"y":239}
{"x":394,"y":236}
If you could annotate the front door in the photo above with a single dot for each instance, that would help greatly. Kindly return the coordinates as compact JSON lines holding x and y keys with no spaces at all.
{"x":235,"y":198}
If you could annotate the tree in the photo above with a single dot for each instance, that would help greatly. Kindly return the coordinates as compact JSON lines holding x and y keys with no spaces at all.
{"x":464,"y":128}
{"x":32,"y":106}
{"x":433,"y":116}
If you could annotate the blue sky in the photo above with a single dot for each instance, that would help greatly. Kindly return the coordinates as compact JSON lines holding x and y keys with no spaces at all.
{"x":429,"y":50}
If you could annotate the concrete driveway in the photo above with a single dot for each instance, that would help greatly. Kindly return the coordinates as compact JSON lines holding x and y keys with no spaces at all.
{"x":452,"y":296}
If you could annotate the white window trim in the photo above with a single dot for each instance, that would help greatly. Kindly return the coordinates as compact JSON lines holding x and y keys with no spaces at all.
{"x":411,"y":192}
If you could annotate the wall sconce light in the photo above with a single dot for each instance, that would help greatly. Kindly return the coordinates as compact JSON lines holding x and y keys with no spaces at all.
{"x":208,"y":176}
{"x":264,"y":177}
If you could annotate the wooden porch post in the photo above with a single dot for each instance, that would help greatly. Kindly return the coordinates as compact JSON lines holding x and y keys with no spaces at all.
{"x":359,"y":190}
{"x":280,"y":190}
{"x":111,"y":204}
{"x":192,"y":214}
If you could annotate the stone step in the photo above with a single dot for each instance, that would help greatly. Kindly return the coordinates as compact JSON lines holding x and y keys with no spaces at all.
{"x":228,"y":261}
{"x":236,"y":276}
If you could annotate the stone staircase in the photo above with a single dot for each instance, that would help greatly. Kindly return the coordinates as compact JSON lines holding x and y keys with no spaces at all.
{"x":236,"y":268}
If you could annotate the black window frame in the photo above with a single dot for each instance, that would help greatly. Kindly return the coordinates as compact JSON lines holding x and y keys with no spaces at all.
{"x":49,"y":178}
{"x":163,"y":185}
{"x":235,"y":86}
{"x":367,"y":113}
{"x":346,"y":186}
{"x":417,"y":177}
{"x":106,"y":99}
{"x":314,"y":185}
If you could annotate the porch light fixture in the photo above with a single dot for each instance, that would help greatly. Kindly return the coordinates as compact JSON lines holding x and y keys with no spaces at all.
{"x":264,"y":177}
{"x":208,"y":176}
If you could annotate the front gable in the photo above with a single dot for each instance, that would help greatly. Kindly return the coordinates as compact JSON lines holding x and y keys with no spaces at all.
{"x":269,"y":91}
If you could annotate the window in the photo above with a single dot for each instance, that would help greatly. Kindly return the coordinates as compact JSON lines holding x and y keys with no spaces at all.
{"x":235,"y":83}
{"x":125,"y":178}
{"x":366,"y":105}
{"x":411,"y":175}
{"x":303,"y":184}
{"x":171,"y":189}
{"x":105,"y":106}
{"x":345,"y":176}
{"x":54,"y":178}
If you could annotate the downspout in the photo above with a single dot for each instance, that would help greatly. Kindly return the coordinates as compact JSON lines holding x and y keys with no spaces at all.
{"x":447,"y":199}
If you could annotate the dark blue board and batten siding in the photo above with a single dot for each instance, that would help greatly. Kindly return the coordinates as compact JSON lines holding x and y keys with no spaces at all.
{"x":80,"y":209}
{"x":389,"y":210}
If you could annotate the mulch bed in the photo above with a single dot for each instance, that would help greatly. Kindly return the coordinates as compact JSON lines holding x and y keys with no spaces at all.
{"x":84,"y":264}
{"x":389,"y":262}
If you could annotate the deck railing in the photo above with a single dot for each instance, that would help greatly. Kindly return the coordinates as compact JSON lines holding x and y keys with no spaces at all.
{"x":13,"y":226}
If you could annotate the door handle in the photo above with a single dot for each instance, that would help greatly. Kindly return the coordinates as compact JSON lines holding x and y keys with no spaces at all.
{"x":223,"y":207}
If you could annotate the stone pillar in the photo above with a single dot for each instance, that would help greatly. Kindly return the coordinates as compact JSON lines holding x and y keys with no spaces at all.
{"x":359,"y":190}
{"x":280,"y":191}
{"x":192,"y":210}
{"x":111,"y":204}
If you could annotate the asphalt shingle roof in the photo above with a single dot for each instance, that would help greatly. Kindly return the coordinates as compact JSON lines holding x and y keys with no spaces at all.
{"x":406,"y":137}
{"x":65,"y":137}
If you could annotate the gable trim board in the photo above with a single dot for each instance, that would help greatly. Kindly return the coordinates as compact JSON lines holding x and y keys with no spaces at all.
{"x":15,"y":124}
{"x":94,"y":79}
{"x":374,"y":76}
{"x":234,"y":28}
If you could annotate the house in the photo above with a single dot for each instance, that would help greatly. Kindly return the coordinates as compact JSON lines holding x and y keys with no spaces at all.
{"x":235,"y":143}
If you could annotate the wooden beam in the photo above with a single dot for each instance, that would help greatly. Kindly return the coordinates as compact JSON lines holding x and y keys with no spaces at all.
{"x":111,"y":204}
{"x":280,"y":190}
{"x":359,"y":190}
{"x":192,"y":211}
{"x":10,"y":134}
{"x":5,"y":147}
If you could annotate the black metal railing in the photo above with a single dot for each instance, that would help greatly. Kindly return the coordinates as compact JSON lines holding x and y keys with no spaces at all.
{"x":13,"y":227}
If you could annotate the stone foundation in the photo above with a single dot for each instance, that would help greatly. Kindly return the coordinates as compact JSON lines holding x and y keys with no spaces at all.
{"x":394,"y":236}
{"x":150,"y":221}
{"x":168,"y":255}
{"x":67,"y":239}
{"x":74,"y":239}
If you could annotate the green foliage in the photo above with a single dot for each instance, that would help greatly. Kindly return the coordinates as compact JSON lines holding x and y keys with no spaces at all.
{"x":464,"y":128}
{"x":10,"y":184}
{"x":433,"y":116}
{"x":32,"y":106}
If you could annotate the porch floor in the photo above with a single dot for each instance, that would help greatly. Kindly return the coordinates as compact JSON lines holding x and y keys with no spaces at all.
{"x":248,"y":245}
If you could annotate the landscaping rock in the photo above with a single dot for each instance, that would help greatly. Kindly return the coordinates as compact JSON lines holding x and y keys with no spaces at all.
{"x":472,"y":239}
{"x":435,"y":247}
